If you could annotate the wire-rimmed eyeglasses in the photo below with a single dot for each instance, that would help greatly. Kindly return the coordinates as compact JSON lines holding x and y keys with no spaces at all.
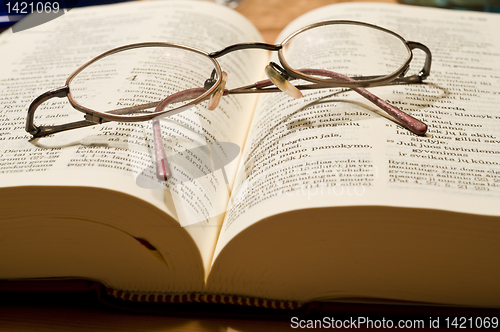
{"x":327,"y":54}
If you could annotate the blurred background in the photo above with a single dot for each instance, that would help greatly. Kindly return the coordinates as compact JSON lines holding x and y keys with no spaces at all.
{"x":13,"y":11}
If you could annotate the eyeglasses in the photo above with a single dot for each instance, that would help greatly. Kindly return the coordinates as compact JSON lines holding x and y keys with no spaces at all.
{"x":329,"y":54}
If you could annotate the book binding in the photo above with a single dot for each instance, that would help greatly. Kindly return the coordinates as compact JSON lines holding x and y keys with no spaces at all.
{"x":204,"y":298}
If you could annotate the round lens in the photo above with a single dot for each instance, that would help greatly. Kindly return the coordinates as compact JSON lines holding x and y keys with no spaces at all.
{"x":133,"y":81}
{"x":353,"y":50}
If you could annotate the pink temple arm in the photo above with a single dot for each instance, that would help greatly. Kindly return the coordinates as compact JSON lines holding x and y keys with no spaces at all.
{"x":414,"y":125}
{"x":163,"y":172}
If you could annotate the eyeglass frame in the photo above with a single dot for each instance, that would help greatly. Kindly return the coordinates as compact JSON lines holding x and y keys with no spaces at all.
{"x":93,"y":117}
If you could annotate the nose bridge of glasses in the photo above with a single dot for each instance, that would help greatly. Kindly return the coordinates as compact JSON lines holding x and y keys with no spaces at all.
{"x":244,"y":46}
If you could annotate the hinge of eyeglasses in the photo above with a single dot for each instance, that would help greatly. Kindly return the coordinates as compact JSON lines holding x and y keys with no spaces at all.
{"x":93,"y":118}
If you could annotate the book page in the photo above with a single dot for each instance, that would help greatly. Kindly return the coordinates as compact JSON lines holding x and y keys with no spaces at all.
{"x":120,"y":156}
{"x":337,"y":149}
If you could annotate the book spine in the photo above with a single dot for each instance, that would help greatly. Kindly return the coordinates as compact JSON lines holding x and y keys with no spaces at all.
{"x":204,"y":298}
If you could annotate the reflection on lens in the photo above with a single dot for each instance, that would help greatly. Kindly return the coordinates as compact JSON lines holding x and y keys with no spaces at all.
{"x":348,"y":49}
{"x":140,"y":76}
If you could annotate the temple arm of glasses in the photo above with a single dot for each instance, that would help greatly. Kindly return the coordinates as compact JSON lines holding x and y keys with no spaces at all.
{"x":405,"y":120}
{"x":163,"y":172}
{"x":414,"y":125}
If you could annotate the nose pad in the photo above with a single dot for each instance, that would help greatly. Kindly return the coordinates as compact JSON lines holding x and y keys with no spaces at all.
{"x":214,"y":100}
{"x":282,"y":83}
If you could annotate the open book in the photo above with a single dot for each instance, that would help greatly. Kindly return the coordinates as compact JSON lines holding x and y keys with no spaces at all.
{"x":319,"y":198}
